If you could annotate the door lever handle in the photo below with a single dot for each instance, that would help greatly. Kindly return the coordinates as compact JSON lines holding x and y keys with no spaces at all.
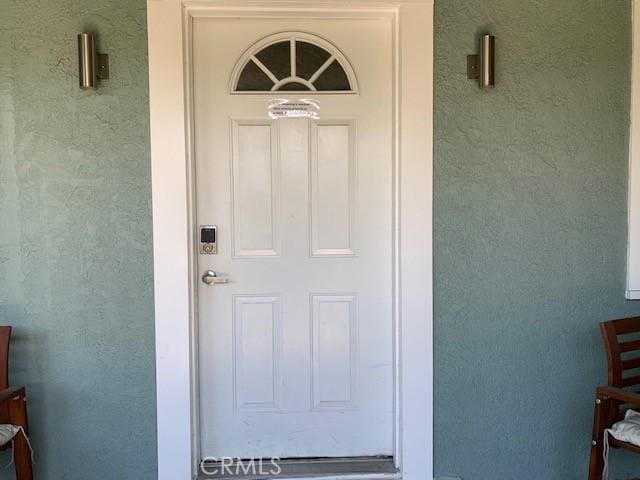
{"x":211,"y":278}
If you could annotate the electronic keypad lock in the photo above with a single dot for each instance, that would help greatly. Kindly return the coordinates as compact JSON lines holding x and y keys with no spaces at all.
{"x":208,"y":239}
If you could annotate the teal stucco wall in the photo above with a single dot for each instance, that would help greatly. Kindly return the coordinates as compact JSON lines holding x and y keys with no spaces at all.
{"x":75,"y":237}
{"x":530,"y":233}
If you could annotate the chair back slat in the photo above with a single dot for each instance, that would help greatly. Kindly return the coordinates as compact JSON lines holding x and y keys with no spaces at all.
{"x":616,"y":347}
{"x":625,"y":326}
{"x":631,"y":364}
{"x":631,"y":381}
{"x":630,"y":346}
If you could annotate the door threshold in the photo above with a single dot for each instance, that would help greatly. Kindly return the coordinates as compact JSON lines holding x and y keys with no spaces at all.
{"x":333,"y":468}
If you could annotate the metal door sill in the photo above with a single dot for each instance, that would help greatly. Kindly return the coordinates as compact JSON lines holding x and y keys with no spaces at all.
{"x":343,"y":468}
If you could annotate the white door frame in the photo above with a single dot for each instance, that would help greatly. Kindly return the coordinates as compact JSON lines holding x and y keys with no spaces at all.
{"x":173,"y":227}
{"x":633,"y":242}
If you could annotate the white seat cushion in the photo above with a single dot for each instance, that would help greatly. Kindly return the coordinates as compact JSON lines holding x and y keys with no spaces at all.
{"x":7,"y":432}
{"x":627,"y":430}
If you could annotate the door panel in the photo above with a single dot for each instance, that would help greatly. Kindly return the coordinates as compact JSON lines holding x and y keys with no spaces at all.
{"x":296,"y":351}
{"x":333,"y":187}
{"x":256,"y":188}
{"x":256,"y":371}
{"x":335,"y":351}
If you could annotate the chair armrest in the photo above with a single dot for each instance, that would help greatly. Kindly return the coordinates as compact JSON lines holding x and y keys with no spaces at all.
{"x":619,"y":394}
{"x":11,"y":393}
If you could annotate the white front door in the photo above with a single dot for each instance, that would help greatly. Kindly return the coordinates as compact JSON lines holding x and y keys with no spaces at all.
{"x":296,"y":350}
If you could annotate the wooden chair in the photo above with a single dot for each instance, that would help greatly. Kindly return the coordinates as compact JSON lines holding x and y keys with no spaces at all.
{"x":613,"y":400}
{"x":13,"y":410}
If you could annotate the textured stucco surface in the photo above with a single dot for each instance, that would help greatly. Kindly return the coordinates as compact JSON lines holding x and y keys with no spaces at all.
{"x":75,"y":237}
{"x":530,"y":208}
{"x":530,"y":233}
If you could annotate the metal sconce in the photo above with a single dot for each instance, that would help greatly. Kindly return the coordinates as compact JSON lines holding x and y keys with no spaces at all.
{"x":482,"y":67}
{"x":92,"y":66}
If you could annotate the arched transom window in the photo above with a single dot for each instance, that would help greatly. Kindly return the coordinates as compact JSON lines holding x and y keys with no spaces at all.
{"x":292,"y":62}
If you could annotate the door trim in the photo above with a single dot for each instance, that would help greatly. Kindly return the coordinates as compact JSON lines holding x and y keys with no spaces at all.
{"x":633,"y":235}
{"x":173,"y":226}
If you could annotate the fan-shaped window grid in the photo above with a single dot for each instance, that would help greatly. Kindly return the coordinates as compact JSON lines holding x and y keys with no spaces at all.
{"x":293,"y":65}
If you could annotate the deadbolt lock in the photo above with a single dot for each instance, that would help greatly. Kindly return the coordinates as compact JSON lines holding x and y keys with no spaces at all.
{"x":208,"y":240}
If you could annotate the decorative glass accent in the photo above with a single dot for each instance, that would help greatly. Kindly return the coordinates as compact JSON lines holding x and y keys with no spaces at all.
{"x":309,"y":58}
{"x":333,"y":78}
{"x":294,"y":64}
{"x":294,"y":86}
{"x":253,"y":79}
{"x":277,"y":59}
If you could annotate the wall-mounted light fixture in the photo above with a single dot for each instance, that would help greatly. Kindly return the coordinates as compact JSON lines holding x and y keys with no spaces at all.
{"x":482,"y":67}
{"x":91,"y":65}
